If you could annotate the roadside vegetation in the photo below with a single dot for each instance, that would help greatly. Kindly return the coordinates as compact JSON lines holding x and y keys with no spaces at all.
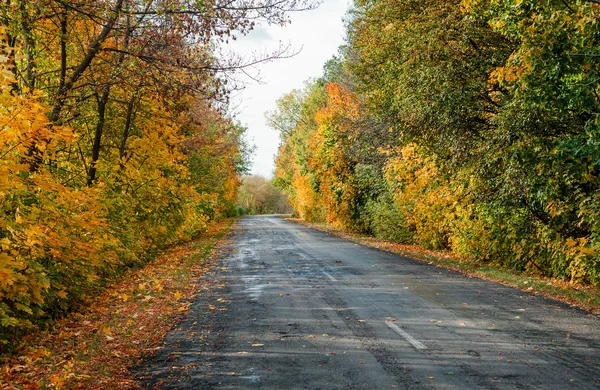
{"x":115,"y":141}
{"x":96,"y":347}
{"x":469,"y":127}
{"x":585,"y":297}
{"x":258,"y":195}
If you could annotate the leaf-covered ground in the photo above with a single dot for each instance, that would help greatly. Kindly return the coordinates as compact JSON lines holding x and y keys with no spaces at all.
{"x":585,"y":297}
{"x":94,"y":348}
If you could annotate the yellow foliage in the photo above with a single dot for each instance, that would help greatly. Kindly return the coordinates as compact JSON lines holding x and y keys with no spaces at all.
{"x":427,"y":203}
{"x":99,"y":176}
{"x":306,"y":202}
{"x":330,"y":162}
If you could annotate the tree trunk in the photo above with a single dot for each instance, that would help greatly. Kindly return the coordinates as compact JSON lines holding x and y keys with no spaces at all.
{"x":94,"y":48}
{"x":102,"y":102}
{"x":30,"y":47}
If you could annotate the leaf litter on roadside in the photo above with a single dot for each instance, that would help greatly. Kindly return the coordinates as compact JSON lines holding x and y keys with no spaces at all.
{"x":93,"y":349}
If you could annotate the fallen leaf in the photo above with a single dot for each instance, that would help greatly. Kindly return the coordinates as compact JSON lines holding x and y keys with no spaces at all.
{"x":38,"y":354}
{"x":58,"y":381}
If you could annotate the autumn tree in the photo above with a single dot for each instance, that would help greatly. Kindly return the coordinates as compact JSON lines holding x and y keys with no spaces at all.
{"x":257,"y":195}
{"x":468,"y":126}
{"x":116,"y":138}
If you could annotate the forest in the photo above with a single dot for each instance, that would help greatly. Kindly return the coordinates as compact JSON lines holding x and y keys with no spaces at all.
{"x":258,"y":195}
{"x":467,"y":126}
{"x":115,"y":139}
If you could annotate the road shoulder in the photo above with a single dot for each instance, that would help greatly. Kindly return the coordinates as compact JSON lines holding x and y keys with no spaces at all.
{"x":583,"y":297}
{"x":94,"y":348}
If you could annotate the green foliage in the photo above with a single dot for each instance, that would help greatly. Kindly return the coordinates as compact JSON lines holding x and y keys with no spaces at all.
{"x":386,"y":222}
{"x":257,"y":195}
{"x":471,"y":126}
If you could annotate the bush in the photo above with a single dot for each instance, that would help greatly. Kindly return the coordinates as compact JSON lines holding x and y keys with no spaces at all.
{"x":386,"y":222}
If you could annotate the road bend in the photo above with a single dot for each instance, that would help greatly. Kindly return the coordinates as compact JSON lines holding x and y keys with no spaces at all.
{"x":290,"y":307}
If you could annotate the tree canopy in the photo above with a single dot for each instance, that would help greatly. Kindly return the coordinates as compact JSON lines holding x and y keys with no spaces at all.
{"x":470,"y":126}
{"x":115,"y":138}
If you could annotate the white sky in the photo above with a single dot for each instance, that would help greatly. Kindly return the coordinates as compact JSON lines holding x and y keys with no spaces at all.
{"x":318,"y":33}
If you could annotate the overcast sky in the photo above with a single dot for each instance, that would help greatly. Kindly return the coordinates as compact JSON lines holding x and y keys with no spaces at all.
{"x":318,"y":33}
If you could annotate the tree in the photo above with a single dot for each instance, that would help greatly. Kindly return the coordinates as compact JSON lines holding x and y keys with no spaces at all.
{"x":258,"y":195}
{"x":470,"y":126}
{"x":116,"y":139}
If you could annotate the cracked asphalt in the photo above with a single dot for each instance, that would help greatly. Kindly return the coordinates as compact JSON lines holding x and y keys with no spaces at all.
{"x":288,"y":307}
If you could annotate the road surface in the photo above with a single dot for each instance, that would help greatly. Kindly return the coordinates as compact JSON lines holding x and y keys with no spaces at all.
{"x":294,"y":308}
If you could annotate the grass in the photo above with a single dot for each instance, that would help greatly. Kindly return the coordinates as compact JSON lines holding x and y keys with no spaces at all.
{"x":93,"y":349}
{"x":584,"y":297}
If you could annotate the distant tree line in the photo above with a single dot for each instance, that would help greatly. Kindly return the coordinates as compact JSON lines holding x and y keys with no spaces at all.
{"x":257,"y":195}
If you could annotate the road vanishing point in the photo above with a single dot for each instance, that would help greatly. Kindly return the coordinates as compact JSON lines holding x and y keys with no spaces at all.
{"x":289,"y":307}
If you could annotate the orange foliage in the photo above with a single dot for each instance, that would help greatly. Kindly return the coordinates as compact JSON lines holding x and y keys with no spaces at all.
{"x":421,"y":196}
{"x":330,"y":160}
{"x":61,"y":236}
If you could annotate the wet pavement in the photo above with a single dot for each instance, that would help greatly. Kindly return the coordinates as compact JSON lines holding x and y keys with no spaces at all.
{"x":288,"y":307}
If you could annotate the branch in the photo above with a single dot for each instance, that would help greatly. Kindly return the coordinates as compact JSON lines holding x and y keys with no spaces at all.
{"x":568,"y":6}
{"x":85,"y":63}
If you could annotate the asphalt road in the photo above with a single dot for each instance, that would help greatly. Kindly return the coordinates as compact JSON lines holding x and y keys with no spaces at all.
{"x":293,"y":308}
